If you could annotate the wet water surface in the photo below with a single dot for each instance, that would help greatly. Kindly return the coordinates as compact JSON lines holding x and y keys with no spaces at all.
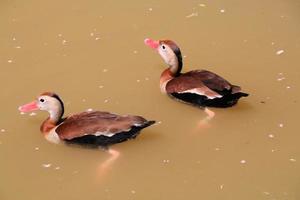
{"x":92,"y":54}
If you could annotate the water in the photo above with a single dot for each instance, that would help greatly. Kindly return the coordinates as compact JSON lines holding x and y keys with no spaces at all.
{"x":92,"y":54}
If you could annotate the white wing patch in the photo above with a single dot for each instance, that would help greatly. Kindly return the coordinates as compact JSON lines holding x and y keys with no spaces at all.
{"x":208,"y":93}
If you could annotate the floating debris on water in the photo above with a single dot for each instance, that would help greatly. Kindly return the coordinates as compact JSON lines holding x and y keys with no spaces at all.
{"x":195,"y":14}
{"x":60,"y":35}
{"x":101,"y":86}
{"x":46,"y":165}
{"x":18,"y":47}
{"x":271,"y":136}
{"x":166,"y":161}
{"x":2,"y":130}
{"x":92,"y":34}
{"x":288,"y":87}
{"x":272,"y":43}
{"x":9,"y":61}
{"x":280,"y":125}
{"x":32,"y":114}
{"x":97,"y":38}
{"x":273,"y":150}
{"x":57,"y":168}
{"x":279,"y":52}
{"x":292,"y":159}
{"x":266,"y":193}
{"x":217,"y":149}
{"x":221,"y":187}
{"x":105,"y":70}
{"x":138,"y":80}
{"x":36,"y":148}
{"x":243,"y":161}
{"x":89,"y":109}
{"x":280,"y":79}
{"x":64,"y":42}
{"x":150,"y":9}
{"x":106,"y":101}
{"x":222,"y":11}
{"x":135,"y":52}
{"x":202,"y":5}
{"x":133,"y":191}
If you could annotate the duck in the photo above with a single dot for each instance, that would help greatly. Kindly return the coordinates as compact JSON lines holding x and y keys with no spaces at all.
{"x":201,"y":88}
{"x":89,"y":128}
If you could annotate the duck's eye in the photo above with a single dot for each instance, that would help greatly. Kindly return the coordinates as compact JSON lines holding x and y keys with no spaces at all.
{"x":163,"y":47}
{"x":42,"y":100}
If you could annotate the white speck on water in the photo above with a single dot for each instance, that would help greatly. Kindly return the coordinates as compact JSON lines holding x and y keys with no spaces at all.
{"x":60,"y":35}
{"x":57,"y":168}
{"x":184,"y":56}
{"x":14,"y":39}
{"x":202,"y":5}
{"x":106,"y":101}
{"x":22,"y":113}
{"x":217,"y":149}
{"x":280,"y":79}
{"x":46,"y":165}
{"x":221,"y":187}
{"x":150,"y":9}
{"x":266,"y":193}
{"x":9,"y":61}
{"x":273,"y":150}
{"x":36,"y":148}
{"x":2,"y":130}
{"x":135,"y":52}
{"x":292,"y":159}
{"x":288,"y":87}
{"x":147,"y":79}
{"x":280,"y":73}
{"x":280,"y":125}
{"x":279,"y":52}
{"x":101,"y":86}
{"x":32,"y":114}
{"x":271,"y":136}
{"x":89,"y":109}
{"x":243,"y":161}
{"x":64,"y":42}
{"x":133,"y":191}
{"x":195,"y":14}
{"x":92,"y":34}
{"x":18,"y":47}
{"x":166,"y":161}
{"x":138,"y":80}
{"x":222,"y":10}
{"x":105,"y":70}
{"x":97,"y":38}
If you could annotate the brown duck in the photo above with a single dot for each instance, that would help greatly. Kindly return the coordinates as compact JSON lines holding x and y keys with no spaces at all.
{"x":198,"y":87}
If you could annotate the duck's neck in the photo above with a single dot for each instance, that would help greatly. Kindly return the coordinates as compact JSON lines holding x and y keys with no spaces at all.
{"x":55,"y":118}
{"x":175,"y":66}
{"x":165,"y":77}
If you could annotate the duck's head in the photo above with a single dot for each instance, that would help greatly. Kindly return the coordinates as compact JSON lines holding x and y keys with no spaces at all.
{"x":169,"y":51}
{"x":47,"y":101}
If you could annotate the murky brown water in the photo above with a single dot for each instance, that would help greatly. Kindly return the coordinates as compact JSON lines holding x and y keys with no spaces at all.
{"x":92,"y":54}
